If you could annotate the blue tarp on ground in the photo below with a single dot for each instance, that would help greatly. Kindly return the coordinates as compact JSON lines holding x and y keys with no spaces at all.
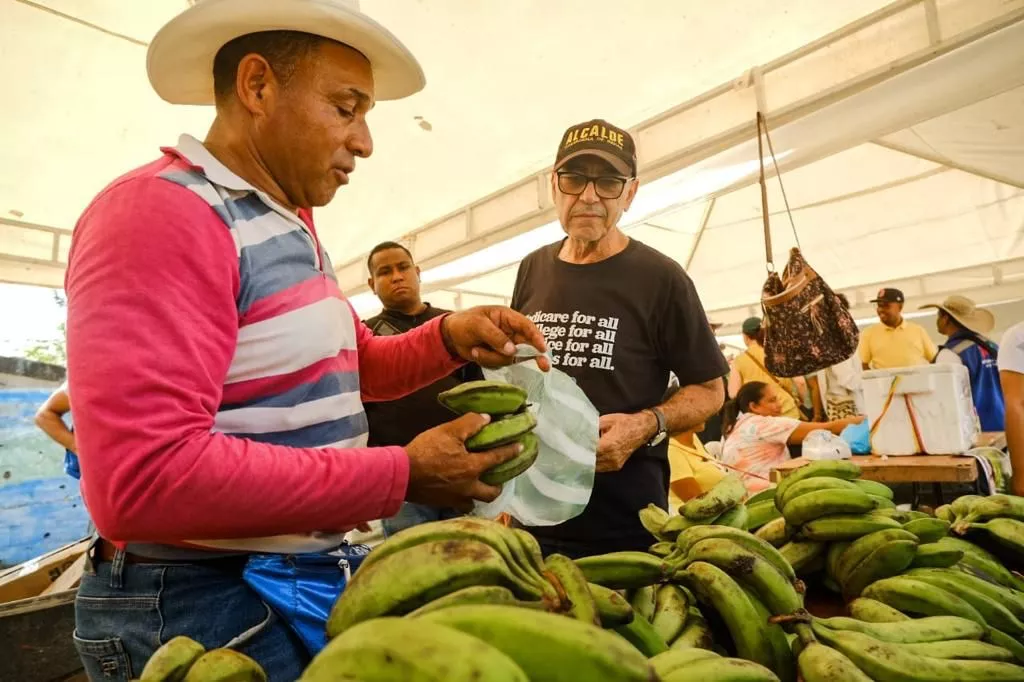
{"x":40,"y":506}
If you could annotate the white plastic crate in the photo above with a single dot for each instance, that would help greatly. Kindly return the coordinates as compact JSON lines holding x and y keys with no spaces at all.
{"x":940,"y":399}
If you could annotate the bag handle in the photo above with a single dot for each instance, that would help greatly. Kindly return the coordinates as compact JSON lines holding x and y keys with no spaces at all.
{"x":775,"y":380}
{"x":762,"y":123}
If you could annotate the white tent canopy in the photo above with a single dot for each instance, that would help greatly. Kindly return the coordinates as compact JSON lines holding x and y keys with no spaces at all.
{"x":900,"y":128}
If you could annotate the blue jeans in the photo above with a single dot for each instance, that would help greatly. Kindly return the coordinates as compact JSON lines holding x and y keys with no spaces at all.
{"x":124,"y":612}
{"x":412,"y":514}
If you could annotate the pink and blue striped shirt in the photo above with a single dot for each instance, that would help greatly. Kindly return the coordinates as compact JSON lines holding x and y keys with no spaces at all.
{"x":219,"y":373}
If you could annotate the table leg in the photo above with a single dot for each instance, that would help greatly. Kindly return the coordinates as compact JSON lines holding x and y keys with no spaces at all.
{"x":915,"y":496}
{"x":937,"y":489}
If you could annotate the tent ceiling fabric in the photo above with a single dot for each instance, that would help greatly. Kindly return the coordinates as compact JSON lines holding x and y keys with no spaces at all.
{"x":84,"y":112}
{"x":986,"y":137}
{"x":864,"y":216}
{"x":944,"y":193}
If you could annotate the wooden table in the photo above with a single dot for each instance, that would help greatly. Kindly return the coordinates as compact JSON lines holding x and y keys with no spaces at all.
{"x":912,"y":469}
{"x":909,"y":469}
{"x":991,"y":439}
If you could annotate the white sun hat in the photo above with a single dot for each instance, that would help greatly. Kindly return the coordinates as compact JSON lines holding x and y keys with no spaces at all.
{"x":180,"y":57}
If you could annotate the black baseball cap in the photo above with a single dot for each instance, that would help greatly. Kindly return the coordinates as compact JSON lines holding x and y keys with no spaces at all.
{"x":888,"y":296}
{"x":601,"y":139}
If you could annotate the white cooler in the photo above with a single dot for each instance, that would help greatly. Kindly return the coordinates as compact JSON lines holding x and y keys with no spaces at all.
{"x":940,"y":399}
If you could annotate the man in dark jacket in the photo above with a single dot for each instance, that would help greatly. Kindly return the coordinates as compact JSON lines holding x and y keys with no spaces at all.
{"x":395,"y":278}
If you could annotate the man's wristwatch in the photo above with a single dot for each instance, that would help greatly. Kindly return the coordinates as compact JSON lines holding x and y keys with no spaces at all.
{"x":662,"y":431}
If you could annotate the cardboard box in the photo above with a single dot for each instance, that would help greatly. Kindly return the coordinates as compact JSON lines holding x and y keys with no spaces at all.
{"x":31,"y":578}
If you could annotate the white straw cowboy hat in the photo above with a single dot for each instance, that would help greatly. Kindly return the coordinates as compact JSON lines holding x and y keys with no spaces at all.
{"x":180,"y":57}
{"x":967,"y":313}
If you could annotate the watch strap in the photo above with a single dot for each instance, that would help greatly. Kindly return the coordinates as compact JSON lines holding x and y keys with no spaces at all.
{"x":662,"y":427}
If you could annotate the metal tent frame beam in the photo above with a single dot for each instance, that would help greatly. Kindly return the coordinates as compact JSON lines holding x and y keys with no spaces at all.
{"x":789,"y":89}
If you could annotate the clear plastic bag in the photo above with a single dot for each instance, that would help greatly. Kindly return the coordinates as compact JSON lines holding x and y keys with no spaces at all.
{"x":822,"y":444}
{"x":558,"y":485}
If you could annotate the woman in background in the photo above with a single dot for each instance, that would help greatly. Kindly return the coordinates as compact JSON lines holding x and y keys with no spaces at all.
{"x":50,"y":420}
{"x":757,"y":435}
{"x":692,"y":470}
{"x":749,"y":366}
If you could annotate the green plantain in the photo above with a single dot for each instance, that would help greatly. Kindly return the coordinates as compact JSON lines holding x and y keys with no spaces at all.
{"x":172,"y":660}
{"x":612,"y":607}
{"x":928,"y":629}
{"x":476,"y":594}
{"x":872,"y":611}
{"x":547,"y":646}
{"x":934,"y":555}
{"x":820,"y":663}
{"x":801,"y":554}
{"x":670,"y":612}
{"x":387,"y":649}
{"x":484,"y":397}
{"x":691,"y":536}
{"x":843,"y":469}
{"x":642,"y":635}
{"x":963,"y":649}
{"x":573,"y":589}
{"x":811,"y":485}
{"x":625,"y":570}
{"x":773,"y":588}
{"x":501,"y":432}
{"x":874,"y":488}
{"x":749,"y":634}
{"x":509,"y":469}
{"x":928,"y":530}
{"x":884,"y":661}
{"x":405,"y":581}
{"x":824,"y":502}
{"x":653,"y":518}
{"x":722,"y":497}
{"x":915,"y":597}
{"x":696,"y":634}
{"x":837,"y":527}
{"x":776,"y":533}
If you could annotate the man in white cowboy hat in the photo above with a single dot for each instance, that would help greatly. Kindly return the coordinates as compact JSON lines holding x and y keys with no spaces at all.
{"x":965,"y":326}
{"x":217,"y":369}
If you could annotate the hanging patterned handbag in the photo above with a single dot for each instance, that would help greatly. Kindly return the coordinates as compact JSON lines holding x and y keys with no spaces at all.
{"x":806,"y":327}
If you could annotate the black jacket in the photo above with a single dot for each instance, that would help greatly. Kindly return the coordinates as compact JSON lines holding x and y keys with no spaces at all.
{"x":397,"y":422}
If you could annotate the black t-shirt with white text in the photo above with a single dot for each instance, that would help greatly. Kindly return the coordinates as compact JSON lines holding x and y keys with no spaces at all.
{"x":618,"y":327}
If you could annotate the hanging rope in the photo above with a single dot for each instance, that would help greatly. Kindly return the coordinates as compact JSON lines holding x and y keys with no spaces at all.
{"x":778,"y":174}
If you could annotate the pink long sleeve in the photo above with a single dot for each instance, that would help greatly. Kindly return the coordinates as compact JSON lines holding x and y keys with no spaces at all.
{"x":152,"y":330}
{"x":391,"y":367}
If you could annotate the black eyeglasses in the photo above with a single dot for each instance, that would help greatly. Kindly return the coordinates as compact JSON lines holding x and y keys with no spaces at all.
{"x":606,"y":186}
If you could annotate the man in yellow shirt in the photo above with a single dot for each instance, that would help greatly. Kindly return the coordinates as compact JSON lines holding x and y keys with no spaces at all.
{"x":896,"y":342}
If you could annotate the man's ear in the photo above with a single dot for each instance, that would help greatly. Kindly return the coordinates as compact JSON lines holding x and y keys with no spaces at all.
{"x":256,"y":84}
{"x":369,"y":283}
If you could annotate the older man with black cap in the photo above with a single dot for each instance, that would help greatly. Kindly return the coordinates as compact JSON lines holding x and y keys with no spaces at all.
{"x":619,"y":317}
{"x":896,"y":342}
{"x":965,"y":325}
{"x":217,"y":369}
